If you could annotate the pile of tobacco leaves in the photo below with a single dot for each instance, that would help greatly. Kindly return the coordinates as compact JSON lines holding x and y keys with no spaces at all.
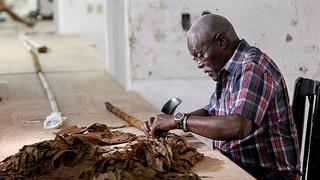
{"x":94,"y":153}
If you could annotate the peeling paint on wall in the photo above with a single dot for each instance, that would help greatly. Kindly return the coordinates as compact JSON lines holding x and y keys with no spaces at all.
{"x":157,"y":28}
{"x":288,"y":38}
{"x":294,"y":22}
{"x":132,"y":41}
{"x":180,"y":38}
{"x":286,"y":31}
{"x":178,"y":53}
{"x":303,"y":69}
{"x":162,"y":4}
{"x":139,"y":23}
{"x":159,"y":36}
{"x":149,"y":51}
{"x":311,"y":49}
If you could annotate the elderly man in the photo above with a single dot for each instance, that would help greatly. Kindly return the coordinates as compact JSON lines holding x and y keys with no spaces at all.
{"x":248,"y":117}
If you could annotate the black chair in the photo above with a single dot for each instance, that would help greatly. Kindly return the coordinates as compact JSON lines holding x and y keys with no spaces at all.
{"x":308,"y":89}
{"x":170,"y":106}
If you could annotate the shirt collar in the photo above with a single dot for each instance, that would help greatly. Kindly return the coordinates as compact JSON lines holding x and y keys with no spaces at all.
{"x":237,"y":57}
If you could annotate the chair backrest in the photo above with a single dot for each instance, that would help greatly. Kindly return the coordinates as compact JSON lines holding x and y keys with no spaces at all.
{"x":308,"y":89}
{"x":170,"y":106}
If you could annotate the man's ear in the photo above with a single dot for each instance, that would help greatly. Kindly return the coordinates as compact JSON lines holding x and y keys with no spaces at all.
{"x":223,"y":42}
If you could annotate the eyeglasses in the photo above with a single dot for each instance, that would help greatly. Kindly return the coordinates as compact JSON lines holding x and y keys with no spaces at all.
{"x":199,"y":57}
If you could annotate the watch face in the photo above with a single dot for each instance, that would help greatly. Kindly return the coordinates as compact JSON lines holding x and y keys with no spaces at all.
{"x":179,"y":116}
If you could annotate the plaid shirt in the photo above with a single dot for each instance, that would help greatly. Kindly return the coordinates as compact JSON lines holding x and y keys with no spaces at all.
{"x":251,"y":85}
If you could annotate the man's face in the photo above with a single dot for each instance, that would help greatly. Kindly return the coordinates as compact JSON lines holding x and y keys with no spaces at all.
{"x":207,"y":56}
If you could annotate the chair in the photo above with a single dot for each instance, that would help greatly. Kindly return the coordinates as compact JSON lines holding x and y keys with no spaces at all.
{"x":170,"y":106}
{"x":308,"y":89}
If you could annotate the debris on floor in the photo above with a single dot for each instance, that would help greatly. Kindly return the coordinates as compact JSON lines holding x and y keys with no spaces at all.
{"x":96,"y":152}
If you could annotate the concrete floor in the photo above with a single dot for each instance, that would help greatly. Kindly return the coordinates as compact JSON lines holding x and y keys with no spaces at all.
{"x":75,"y":71}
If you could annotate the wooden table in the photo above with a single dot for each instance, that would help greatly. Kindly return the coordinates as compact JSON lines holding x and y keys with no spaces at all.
{"x":75,"y":71}
{"x":215,"y":165}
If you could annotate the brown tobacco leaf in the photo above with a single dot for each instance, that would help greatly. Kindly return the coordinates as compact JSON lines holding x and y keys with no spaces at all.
{"x":76,"y":130}
{"x":86,"y":153}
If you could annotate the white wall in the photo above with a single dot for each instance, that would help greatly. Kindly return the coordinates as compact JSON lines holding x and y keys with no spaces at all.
{"x":146,"y":46}
{"x":22,"y":8}
{"x":105,"y":23}
{"x":46,"y":7}
{"x":162,"y":66}
{"x":84,"y":17}
{"x":117,"y":43}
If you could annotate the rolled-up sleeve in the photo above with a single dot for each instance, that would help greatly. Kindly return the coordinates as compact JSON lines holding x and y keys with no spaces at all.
{"x":211,"y":106}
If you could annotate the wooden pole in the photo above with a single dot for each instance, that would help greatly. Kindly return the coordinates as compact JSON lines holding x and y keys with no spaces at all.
{"x":32,"y":44}
{"x":32,"y":47}
{"x":124,"y":116}
{"x":54,"y":120}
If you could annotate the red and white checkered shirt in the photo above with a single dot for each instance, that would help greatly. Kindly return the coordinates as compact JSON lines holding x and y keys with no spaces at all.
{"x":251,"y":85}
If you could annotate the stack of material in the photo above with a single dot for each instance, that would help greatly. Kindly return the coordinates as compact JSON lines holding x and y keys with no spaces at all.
{"x":95,"y":153}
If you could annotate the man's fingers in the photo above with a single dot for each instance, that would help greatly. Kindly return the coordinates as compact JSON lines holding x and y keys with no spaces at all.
{"x":146,"y":128}
{"x":147,"y":125}
{"x":151,"y":120}
{"x":153,"y":133}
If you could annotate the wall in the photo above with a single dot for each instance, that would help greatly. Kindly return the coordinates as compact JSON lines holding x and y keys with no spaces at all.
{"x":162,"y":67}
{"x":117,"y":42}
{"x":85,"y":17}
{"x":146,"y":46}
{"x":46,"y":8}
{"x":104,"y":22}
{"x":22,"y":8}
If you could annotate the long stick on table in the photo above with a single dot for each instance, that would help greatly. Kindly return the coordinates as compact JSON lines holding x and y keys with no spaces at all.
{"x":124,"y":116}
{"x":33,"y":48}
{"x":55,"y":119}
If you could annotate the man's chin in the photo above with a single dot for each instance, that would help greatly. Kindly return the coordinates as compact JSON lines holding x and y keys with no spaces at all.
{"x":215,"y":78}
{"x":213,"y":75}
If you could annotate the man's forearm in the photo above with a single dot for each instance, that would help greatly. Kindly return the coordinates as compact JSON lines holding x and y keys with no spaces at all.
{"x":220,"y":127}
{"x":200,"y":112}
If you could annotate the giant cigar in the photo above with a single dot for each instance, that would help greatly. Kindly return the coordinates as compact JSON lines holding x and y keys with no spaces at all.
{"x":124,"y":116}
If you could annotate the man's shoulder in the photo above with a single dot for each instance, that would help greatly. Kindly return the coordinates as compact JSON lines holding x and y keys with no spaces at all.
{"x":244,"y":56}
{"x":248,"y":52}
{"x":261,"y":62}
{"x":255,"y":60}
{"x":252,"y":55}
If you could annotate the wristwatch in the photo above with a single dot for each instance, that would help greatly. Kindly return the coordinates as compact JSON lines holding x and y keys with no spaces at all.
{"x":181,"y":121}
{"x":178,"y":118}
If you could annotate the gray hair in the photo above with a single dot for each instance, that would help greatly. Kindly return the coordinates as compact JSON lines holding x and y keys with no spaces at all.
{"x":207,"y":26}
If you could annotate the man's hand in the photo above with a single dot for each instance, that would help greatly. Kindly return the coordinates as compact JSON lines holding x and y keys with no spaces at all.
{"x":158,"y":124}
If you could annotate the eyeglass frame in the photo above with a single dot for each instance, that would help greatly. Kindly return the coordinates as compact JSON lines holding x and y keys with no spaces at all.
{"x":199,"y":59}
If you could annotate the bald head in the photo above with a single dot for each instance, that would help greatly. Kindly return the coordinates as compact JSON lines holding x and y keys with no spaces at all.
{"x":212,"y":41}
{"x":206,"y":27}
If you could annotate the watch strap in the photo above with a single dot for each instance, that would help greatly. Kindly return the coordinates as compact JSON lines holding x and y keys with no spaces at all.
{"x":184,"y":123}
